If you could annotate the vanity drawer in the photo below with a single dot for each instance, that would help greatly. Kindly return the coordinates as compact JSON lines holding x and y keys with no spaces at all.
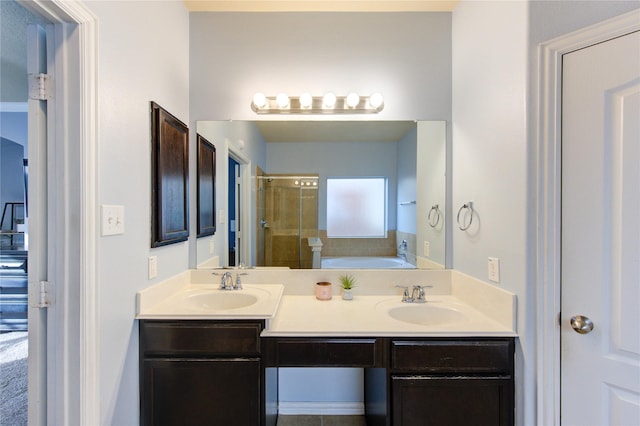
{"x":453,"y":356}
{"x":322,"y":352}
{"x":200,"y":338}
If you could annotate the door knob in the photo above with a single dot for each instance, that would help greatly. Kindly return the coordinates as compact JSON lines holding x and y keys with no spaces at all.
{"x":581,"y":324}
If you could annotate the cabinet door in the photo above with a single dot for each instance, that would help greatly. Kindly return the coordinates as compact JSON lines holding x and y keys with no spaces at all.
{"x":451,"y":401}
{"x":201,"y":392}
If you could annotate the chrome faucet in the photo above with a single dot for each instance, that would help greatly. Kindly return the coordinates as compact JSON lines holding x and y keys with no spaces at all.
{"x":402,"y":250}
{"x":226,"y":282}
{"x":417,"y":294}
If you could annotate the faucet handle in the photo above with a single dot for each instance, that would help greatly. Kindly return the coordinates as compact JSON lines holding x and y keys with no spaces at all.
{"x":238,"y":285}
{"x":421,"y":296}
{"x":405,"y":293}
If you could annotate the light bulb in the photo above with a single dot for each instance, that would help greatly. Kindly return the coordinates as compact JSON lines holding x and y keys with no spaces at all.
{"x":376,"y":100}
{"x":282,"y":100}
{"x":306,"y":100}
{"x":329,"y":100}
{"x":353,"y":99}
{"x":259,"y":100}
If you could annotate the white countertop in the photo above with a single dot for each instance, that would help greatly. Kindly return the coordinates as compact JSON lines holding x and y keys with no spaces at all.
{"x":300,"y":316}
{"x":473,"y":308}
{"x":197,"y":301}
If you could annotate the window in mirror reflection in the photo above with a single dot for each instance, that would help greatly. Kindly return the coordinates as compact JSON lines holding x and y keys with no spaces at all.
{"x":356,"y":207}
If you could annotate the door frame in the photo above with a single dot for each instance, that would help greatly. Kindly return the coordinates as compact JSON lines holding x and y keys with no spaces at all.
{"x":548,"y":202}
{"x":243,"y":220}
{"x":74,"y":312}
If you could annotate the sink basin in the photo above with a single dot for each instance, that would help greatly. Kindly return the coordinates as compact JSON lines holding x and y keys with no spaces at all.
{"x":425,"y":314}
{"x":219,"y":300}
{"x":207,"y":301}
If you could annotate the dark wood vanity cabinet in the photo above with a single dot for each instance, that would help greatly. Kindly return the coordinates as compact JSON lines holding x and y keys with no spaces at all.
{"x":451,"y":382}
{"x":223,"y":373}
{"x":201,"y":372}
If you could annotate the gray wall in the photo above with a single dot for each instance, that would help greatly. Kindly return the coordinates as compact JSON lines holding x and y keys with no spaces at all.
{"x":337,"y":159}
{"x":11,"y":178}
{"x":495,"y":70}
{"x":405,"y":56}
{"x":406,"y":175}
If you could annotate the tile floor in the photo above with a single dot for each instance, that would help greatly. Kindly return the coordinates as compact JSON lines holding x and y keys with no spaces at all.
{"x":321,"y":421}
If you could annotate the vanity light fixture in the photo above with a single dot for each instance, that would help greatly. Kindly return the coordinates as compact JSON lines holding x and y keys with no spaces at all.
{"x":282,"y":100}
{"x":329,"y":103}
{"x":306,"y":100}
{"x":259,"y":100}
{"x":353,"y":99}
{"x":329,"y":100}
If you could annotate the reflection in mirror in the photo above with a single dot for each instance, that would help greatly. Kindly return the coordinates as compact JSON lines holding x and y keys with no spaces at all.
{"x":288,"y":207}
{"x":289,"y":217}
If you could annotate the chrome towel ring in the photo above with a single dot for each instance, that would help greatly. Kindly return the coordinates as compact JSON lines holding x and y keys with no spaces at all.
{"x":468,"y":209}
{"x":433,"y":218}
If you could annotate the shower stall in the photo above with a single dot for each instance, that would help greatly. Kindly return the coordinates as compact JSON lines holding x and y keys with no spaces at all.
{"x":287,"y":213}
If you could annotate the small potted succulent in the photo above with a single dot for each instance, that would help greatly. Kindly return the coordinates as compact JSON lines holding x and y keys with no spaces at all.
{"x":347,"y":282}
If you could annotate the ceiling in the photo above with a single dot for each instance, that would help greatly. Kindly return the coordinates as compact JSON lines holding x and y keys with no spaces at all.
{"x":321,"y":5}
{"x":334,"y":131}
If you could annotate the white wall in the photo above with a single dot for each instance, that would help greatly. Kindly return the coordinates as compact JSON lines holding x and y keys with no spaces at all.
{"x":143,"y":55}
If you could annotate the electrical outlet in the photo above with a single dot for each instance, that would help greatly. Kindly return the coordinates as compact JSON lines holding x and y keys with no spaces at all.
{"x":427,"y":249}
{"x":211,"y":246}
{"x":493,"y":266}
{"x":153,"y":267}
{"x":112,"y":221}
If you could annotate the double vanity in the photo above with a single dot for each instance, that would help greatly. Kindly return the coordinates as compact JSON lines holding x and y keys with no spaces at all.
{"x":211,"y":356}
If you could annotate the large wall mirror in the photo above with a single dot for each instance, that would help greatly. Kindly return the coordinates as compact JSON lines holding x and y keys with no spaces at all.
{"x":295,"y":168}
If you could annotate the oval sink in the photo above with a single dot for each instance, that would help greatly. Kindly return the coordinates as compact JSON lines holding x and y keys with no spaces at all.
{"x":425,"y":314}
{"x":220,"y":300}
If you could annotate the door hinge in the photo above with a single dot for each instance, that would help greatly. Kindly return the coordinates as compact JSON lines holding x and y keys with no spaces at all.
{"x":40,"y":87}
{"x":40,"y":297}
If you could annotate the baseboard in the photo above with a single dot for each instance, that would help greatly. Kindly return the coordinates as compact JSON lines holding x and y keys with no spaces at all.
{"x":321,"y":408}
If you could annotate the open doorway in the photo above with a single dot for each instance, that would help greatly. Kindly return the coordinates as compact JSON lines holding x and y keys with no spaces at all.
{"x":234,"y":207}
{"x":238,"y":209}
{"x":14,"y":209}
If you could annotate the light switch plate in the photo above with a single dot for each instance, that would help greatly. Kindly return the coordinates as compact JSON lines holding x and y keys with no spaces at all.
{"x":112,"y":220}
{"x":211,"y":246}
{"x":493,"y":266}
{"x":427,"y":249}
{"x":153,"y":267}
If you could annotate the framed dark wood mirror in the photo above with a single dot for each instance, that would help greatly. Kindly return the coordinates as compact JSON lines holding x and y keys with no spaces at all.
{"x":170,"y":178}
{"x":206,"y":203}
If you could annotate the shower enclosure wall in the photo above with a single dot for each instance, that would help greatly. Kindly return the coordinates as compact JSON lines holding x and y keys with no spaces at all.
{"x":287,"y":212}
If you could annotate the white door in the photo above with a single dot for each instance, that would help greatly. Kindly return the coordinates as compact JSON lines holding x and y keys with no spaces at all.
{"x":600,"y":369}
{"x":38,"y":230}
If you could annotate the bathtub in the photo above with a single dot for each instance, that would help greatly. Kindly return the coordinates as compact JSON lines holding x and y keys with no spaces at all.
{"x":365,"y":263}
